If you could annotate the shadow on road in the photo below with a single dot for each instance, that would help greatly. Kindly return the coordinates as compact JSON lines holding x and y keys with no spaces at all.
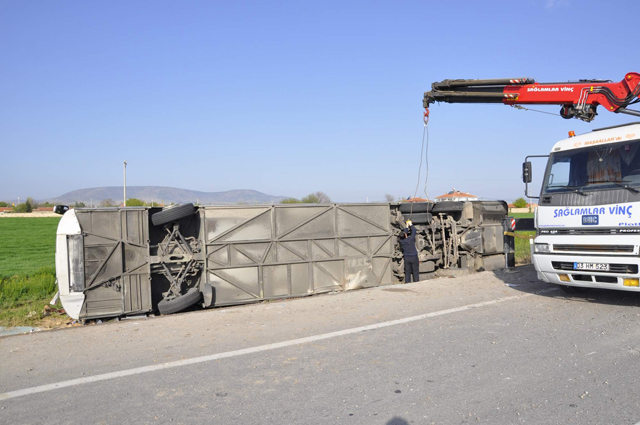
{"x":524,"y":279}
{"x":397,"y":421}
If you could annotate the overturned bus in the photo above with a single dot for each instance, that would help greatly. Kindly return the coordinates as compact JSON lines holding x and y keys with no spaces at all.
{"x":114,"y":262}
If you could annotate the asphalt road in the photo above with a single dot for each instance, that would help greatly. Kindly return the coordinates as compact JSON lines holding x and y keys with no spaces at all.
{"x":494,"y":348}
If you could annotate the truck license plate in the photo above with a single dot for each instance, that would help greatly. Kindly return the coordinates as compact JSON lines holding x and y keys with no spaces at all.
{"x":600,"y":267}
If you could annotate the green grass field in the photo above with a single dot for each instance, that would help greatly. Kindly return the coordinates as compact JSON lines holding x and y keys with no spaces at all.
{"x":27,"y":244}
{"x":521,"y":215}
{"x":27,"y":268}
{"x":523,"y":252}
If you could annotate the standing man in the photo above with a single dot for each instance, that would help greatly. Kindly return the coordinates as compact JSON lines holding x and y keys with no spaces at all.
{"x":408,"y":246}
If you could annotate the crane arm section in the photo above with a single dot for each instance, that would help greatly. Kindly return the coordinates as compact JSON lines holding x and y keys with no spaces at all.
{"x":578,"y":99}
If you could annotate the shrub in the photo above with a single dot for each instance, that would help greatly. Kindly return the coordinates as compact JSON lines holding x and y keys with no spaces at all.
{"x":24,"y":207}
{"x":290,"y":201}
{"x":310,"y":199}
{"x":32,"y":202}
{"x":22,"y":288}
{"x":134,"y":202}
{"x":316,"y":198}
{"x":520,"y":203}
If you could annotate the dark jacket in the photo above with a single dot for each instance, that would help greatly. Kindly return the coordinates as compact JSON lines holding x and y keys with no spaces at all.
{"x":408,"y":244}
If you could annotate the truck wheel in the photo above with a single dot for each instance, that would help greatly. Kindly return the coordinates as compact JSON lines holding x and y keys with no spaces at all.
{"x":171,"y":214}
{"x":180,"y":303}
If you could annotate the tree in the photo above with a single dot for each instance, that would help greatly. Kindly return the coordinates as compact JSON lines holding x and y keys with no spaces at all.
{"x":323,"y":198}
{"x":24,"y":207}
{"x":3,"y":204}
{"x":389,"y":198}
{"x":108,"y":203}
{"x":134,"y":202}
{"x":316,"y":198}
{"x":290,"y":201}
{"x":520,"y":203}
{"x":310,"y":199}
{"x":46,"y":204}
{"x":31,"y":202}
{"x":79,"y":205}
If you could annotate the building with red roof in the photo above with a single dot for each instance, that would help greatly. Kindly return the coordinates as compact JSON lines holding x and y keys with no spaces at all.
{"x":455,"y":195}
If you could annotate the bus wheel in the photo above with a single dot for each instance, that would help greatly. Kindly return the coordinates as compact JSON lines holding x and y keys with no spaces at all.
{"x":171,"y":214}
{"x":180,"y":303}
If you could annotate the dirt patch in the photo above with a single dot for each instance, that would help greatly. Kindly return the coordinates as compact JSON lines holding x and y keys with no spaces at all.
{"x":34,"y":214}
{"x":397,"y":290}
{"x":57,"y":321}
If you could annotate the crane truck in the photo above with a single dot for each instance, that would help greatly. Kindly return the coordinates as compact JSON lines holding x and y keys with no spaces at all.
{"x":588,"y":218}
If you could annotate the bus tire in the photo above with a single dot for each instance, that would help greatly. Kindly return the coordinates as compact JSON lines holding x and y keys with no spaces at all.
{"x":180,"y":303}
{"x":171,"y":214}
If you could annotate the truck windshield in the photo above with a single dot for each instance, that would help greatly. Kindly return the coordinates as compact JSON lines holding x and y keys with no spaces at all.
{"x":595,"y":168}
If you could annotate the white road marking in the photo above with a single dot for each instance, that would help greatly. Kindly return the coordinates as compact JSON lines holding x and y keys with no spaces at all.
{"x":235,"y":353}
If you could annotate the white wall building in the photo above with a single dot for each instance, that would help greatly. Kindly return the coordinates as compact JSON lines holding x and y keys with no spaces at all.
{"x":455,"y":195}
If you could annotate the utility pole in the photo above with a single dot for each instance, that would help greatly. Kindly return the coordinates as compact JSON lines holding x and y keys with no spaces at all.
{"x":125,"y":184}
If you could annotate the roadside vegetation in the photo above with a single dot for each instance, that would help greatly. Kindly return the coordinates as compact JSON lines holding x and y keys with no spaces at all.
{"x":521,"y":215}
{"x":27,"y":270}
{"x":520,"y":203}
{"x":523,"y":252}
{"x":24,"y":299}
{"x":25,"y":207}
{"x":312,"y":198}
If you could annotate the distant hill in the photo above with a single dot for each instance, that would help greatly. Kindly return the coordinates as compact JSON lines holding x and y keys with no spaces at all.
{"x":165,"y":194}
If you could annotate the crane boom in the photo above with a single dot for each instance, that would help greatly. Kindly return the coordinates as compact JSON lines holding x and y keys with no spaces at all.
{"x":578,"y":99}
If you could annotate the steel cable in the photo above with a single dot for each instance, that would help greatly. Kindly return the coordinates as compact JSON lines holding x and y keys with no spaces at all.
{"x":532,"y":110}
{"x":415,"y":193}
{"x":426,"y":161}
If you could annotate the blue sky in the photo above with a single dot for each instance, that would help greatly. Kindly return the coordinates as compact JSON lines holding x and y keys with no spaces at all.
{"x":288,"y":97}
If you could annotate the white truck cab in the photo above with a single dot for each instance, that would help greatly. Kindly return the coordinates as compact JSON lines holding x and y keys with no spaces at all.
{"x":588,"y":218}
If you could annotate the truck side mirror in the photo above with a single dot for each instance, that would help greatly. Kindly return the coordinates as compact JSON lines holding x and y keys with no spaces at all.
{"x":526,"y":172}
